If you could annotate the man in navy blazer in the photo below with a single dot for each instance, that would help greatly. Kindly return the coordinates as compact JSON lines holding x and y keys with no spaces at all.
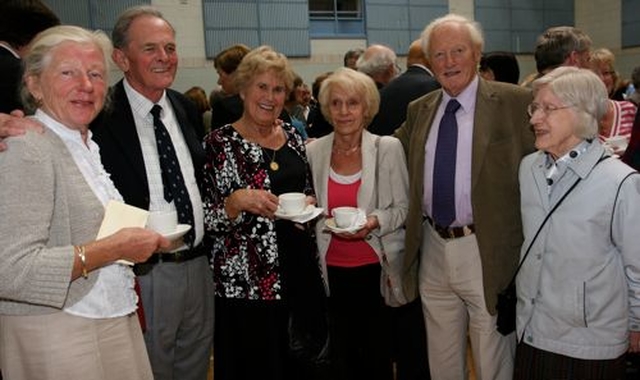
{"x":177,"y":287}
{"x":396,"y":96}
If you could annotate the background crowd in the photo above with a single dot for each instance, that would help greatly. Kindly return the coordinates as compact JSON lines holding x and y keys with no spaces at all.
{"x":465,"y":179}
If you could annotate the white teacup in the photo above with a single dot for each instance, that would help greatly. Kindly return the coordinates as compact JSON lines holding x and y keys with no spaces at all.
{"x":345,"y":217}
{"x":292,"y":203}
{"x":163,"y":222}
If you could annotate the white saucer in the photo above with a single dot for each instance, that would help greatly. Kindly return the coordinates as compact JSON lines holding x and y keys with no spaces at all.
{"x":181,"y":229}
{"x":306,"y":212}
{"x":330,"y":223}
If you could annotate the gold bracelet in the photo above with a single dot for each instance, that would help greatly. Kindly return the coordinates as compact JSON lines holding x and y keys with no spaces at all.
{"x":83,"y":258}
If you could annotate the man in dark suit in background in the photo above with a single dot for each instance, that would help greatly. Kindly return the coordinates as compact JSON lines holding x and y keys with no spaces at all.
{"x":20,"y":21}
{"x":464,"y":144}
{"x":380,"y":63}
{"x":396,"y":96}
{"x":177,"y":287}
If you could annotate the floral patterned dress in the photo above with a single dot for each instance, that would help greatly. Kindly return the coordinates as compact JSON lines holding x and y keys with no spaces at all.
{"x":245,"y":251}
{"x":267,"y":278}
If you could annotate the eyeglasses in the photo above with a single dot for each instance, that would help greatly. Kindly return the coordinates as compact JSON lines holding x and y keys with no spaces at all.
{"x":545,"y":108}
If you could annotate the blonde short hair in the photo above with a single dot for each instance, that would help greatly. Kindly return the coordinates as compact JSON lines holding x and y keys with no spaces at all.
{"x":259,"y":61}
{"x":353,"y":83}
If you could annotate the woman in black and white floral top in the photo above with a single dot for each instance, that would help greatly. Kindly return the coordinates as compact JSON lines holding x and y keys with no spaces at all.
{"x":265,"y":269}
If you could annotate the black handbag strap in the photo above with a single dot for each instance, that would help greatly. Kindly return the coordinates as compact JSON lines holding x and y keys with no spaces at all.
{"x":526,"y":254}
{"x":377,"y":144}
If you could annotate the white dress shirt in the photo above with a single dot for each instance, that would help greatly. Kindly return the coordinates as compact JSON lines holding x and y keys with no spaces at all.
{"x":141,"y":108}
{"x":465,"y":118}
{"x":113,"y":294}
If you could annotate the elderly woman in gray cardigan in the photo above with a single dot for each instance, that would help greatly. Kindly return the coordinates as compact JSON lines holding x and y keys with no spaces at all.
{"x":578,"y":289}
{"x":67,"y":310}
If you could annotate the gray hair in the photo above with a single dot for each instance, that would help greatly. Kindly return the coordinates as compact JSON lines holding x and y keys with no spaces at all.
{"x":38,"y":56}
{"x":556,"y":44}
{"x":474,"y":29}
{"x":120,"y":33}
{"x":376,"y":59}
{"x":581,"y":89}
{"x":353,"y":83}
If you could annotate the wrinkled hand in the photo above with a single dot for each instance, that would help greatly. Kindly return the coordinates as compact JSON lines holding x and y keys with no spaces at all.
{"x":258,"y":202}
{"x":138,"y":244}
{"x":634,"y":341}
{"x":15,"y":124}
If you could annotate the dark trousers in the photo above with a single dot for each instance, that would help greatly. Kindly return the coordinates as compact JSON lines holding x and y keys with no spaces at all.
{"x":358,"y":325}
{"x":536,"y":364}
{"x":409,"y":341}
{"x":251,"y":340}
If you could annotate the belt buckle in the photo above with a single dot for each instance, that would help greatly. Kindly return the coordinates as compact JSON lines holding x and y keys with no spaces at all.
{"x":451,"y":233}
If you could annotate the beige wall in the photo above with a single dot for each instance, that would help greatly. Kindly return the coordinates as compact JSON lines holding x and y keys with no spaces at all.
{"x":598,"y":18}
{"x":601,"y":20}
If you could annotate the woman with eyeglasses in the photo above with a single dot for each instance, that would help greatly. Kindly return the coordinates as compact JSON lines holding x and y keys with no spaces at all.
{"x":578,"y":309}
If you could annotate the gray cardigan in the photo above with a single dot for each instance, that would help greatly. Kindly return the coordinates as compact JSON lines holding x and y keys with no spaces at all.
{"x":392,"y":188}
{"x":46,"y":207}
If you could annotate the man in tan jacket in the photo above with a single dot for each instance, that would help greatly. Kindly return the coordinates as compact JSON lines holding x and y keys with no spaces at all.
{"x":462,"y":261}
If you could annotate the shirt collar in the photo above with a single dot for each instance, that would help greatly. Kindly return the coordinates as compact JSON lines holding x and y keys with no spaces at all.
{"x":65,"y":133}
{"x":423,"y":67}
{"x":466,"y":98}
{"x":568,"y":157}
{"x":140,"y":103}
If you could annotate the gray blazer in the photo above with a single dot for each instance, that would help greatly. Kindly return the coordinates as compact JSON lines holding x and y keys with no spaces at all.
{"x":46,"y":207}
{"x":392,"y":189}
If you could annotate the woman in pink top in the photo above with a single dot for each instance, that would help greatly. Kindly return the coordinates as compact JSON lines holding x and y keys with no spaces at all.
{"x":618,"y":121}
{"x":352,"y":167}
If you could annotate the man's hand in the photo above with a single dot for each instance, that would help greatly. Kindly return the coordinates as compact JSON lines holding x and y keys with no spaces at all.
{"x":15,"y":124}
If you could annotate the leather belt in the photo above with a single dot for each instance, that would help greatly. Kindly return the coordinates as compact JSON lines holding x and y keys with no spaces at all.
{"x":176,"y":257}
{"x":452,"y":232}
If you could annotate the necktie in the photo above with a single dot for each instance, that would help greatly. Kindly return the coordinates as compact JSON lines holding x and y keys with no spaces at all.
{"x":444,"y":167}
{"x":172,"y":180}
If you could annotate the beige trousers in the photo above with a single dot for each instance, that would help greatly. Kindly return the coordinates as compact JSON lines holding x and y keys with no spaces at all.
{"x":454,"y":307}
{"x":63,"y":346}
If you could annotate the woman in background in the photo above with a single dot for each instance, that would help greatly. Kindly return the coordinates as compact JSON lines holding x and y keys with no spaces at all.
{"x":618,"y":120}
{"x":199,"y":97}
